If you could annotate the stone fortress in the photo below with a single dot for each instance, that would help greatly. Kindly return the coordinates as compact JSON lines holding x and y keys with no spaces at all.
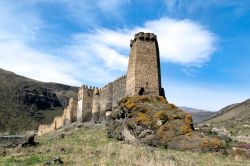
{"x":143,"y":78}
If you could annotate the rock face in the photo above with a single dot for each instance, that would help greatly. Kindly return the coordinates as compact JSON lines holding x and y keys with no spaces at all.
{"x":40,"y":98}
{"x":155,"y":122}
{"x":26,"y":103}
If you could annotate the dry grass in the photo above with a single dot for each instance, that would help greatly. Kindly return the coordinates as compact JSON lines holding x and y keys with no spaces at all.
{"x":89,"y":146}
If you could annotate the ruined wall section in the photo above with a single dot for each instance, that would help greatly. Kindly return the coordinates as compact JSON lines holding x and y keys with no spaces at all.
{"x":119,"y":89}
{"x":96,"y":106}
{"x":105,"y":99}
{"x":70,"y":112}
{"x":69,"y":116}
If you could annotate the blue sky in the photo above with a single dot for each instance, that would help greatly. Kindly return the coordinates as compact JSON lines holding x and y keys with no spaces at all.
{"x":204,"y":45}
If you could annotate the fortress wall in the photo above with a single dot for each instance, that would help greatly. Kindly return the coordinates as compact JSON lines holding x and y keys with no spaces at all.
{"x":69,"y":113}
{"x":45,"y":129}
{"x":69,"y":116}
{"x":56,"y":124}
{"x":105,"y":99}
{"x":96,"y":106}
{"x":59,"y":122}
{"x":119,"y":89}
{"x":73,"y":109}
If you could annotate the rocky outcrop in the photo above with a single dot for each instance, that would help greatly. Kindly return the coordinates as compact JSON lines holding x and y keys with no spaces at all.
{"x":39,"y":98}
{"x":155,"y":122}
{"x":14,"y":141}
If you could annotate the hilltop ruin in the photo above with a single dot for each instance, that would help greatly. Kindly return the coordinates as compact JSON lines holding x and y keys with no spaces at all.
{"x":143,"y":78}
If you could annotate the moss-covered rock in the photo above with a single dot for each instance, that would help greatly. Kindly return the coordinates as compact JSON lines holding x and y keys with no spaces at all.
{"x":154,"y":121}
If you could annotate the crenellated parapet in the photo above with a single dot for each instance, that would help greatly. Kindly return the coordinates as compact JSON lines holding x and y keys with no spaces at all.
{"x":88,"y":87}
{"x":144,"y":37}
{"x":119,"y":79}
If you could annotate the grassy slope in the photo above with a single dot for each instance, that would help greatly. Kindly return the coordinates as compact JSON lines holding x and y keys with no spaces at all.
{"x":238,"y":110}
{"x":234,"y":117}
{"x":88,"y":146}
{"x":13,"y":118}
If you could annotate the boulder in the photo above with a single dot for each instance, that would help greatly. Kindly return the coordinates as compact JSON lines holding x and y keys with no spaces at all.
{"x":151,"y":120}
{"x":13,"y":141}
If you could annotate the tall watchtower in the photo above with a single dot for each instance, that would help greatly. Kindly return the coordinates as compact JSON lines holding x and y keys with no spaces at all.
{"x":144,"y":77}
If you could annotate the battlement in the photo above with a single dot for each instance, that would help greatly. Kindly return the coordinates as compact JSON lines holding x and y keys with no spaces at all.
{"x":108,"y":86}
{"x":144,"y":37}
{"x":88,"y":87}
{"x":120,"y":79}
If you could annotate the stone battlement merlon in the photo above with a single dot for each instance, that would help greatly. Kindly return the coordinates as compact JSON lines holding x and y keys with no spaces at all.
{"x":88,"y":87}
{"x":143,"y":36}
{"x":120,"y":78}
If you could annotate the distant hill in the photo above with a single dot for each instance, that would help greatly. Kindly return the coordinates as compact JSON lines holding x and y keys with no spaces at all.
{"x":198,"y":114}
{"x":25,"y":103}
{"x":235,"y":117}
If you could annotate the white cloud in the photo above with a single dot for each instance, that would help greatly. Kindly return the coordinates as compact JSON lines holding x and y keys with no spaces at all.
{"x":97,"y":56}
{"x":18,"y":29}
{"x":183,"y":41}
{"x":180,"y":41}
{"x":18,"y":57}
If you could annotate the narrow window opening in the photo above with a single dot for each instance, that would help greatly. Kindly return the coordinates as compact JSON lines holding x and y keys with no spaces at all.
{"x":88,"y":105}
{"x":141,"y":92}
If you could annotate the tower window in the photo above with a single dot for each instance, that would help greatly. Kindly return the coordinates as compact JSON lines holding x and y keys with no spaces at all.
{"x":141,"y":92}
{"x":88,"y":105}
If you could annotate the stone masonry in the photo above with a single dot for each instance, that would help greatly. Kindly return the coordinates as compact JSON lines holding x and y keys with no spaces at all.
{"x":69,"y":116}
{"x":143,"y":78}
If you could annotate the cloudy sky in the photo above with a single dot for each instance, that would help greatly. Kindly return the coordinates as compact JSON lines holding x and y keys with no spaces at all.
{"x":204,"y":45}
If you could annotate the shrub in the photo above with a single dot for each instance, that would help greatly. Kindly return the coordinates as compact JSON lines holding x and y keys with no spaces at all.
{"x":143,"y":119}
{"x":160,"y":115}
{"x":130,"y":105}
{"x":163,"y":100}
{"x":215,"y":143}
{"x":188,"y":119}
{"x":172,"y":106}
{"x":185,"y":129}
{"x":205,"y":143}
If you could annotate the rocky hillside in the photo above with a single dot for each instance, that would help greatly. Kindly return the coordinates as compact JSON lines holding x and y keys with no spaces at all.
{"x":25,"y":103}
{"x":155,"y":122}
{"x":235,"y":117}
{"x":198,"y":114}
{"x":90,"y":146}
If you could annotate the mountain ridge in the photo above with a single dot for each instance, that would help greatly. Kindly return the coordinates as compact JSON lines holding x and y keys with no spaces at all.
{"x":25,"y":103}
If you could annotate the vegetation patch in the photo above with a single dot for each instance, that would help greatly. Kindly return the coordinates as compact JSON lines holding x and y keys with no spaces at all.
{"x":89,"y":146}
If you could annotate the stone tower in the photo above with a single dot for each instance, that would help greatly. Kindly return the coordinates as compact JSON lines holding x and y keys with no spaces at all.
{"x":143,"y":77}
{"x":84,"y":104}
